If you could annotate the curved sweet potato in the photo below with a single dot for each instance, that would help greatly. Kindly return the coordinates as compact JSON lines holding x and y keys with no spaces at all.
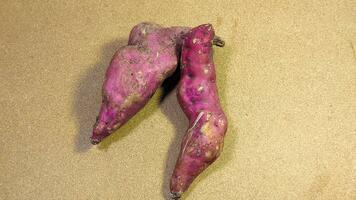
{"x":198,"y":97}
{"x":135,"y":73}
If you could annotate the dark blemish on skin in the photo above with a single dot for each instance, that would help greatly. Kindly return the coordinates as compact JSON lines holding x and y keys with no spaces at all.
{"x":198,"y":153}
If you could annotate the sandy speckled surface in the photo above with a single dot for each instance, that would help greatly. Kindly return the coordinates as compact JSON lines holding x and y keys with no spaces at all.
{"x":287,"y":78}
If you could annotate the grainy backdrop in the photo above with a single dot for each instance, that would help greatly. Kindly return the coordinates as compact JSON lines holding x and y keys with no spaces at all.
{"x":287,"y":78}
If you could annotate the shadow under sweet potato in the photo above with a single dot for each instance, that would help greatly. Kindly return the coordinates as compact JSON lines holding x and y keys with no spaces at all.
{"x":88,"y":95}
{"x":132,"y":123}
{"x":171,"y":108}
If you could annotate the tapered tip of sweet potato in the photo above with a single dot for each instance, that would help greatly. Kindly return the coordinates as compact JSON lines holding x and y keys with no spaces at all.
{"x":99,"y":133}
{"x":217,"y":41}
{"x":175,"y":195}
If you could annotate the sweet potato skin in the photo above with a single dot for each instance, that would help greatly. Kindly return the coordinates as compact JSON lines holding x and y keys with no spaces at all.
{"x":135,"y":73}
{"x":198,"y":96}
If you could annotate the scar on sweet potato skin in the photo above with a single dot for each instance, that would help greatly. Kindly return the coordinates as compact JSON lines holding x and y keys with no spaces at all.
{"x":135,"y":73}
{"x":198,"y":96}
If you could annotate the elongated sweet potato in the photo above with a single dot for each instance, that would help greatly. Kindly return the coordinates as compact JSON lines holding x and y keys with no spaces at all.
{"x":198,"y":97}
{"x":135,"y":73}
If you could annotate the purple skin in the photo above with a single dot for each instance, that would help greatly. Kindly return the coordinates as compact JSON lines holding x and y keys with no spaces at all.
{"x":135,"y":73}
{"x":198,"y":97}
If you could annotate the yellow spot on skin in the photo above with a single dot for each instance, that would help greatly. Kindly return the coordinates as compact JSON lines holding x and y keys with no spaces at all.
{"x":144,"y":31}
{"x":206,"y":71}
{"x":206,"y":130}
{"x":130,"y":100}
{"x":208,"y":154}
{"x":217,"y":147}
{"x":116,"y":126}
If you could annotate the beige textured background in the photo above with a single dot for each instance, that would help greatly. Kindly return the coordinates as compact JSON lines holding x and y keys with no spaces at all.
{"x":287,"y":78}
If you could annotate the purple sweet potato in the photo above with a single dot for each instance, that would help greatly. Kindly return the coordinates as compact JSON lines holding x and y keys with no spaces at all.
{"x":198,"y":97}
{"x":135,"y":73}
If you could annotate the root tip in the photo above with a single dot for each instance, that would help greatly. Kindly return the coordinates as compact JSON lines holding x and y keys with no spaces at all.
{"x":218,"y":41}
